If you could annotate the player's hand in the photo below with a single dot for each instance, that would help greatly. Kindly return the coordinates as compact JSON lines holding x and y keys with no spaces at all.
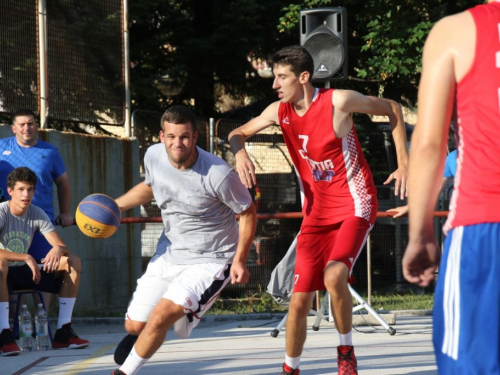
{"x":64,"y":220}
{"x":33,"y":265}
{"x":52,"y":260}
{"x":401,"y":177}
{"x":399,"y":211}
{"x":245,"y":169}
{"x":420,"y":261}
{"x":239,"y":273}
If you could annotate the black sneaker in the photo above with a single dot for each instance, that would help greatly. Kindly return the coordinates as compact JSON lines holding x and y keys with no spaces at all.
{"x":124,"y":348}
{"x":118,"y":372}
{"x":8,"y":345}
{"x":66,"y":338}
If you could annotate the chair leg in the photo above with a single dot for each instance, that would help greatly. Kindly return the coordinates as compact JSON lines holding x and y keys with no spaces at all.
{"x":15,"y":326}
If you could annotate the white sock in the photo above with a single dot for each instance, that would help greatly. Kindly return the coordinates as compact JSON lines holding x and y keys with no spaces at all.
{"x":293,"y":363}
{"x":4,"y":316}
{"x":133,"y":363}
{"x":345,"y":340}
{"x":65,"y":311}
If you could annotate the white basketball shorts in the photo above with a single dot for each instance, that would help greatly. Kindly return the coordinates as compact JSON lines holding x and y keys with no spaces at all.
{"x":194,"y":286}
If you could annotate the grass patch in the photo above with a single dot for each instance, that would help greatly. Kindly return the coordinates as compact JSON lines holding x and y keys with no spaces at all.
{"x":264,"y":303}
{"x":404,"y":301}
{"x":251,"y":303}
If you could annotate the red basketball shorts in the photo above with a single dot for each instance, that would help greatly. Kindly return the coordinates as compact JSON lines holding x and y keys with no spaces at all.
{"x":318,"y":245}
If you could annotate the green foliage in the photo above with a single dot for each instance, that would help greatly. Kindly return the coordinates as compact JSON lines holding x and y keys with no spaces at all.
{"x":263,"y":303}
{"x":385,"y":41}
{"x":404,"y":301}
{"x":195,"y":51}
{"x":183,"y":50}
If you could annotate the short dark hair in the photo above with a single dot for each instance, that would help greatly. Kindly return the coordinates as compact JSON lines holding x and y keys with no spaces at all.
{"x":21,"y":174}
{"x":22,"y":112}
{"x":179,"y":114}
{"x":296,"y":57}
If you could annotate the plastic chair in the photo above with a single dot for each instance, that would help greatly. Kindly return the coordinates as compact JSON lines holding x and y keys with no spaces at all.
{"x":19,"y":293}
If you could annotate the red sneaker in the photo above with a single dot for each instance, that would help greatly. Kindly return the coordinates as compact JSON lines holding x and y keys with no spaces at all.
{"x":287,"y":370}
{"x":66,"y":338}
{"x":346,"y":360}
{"x":8,"y":345}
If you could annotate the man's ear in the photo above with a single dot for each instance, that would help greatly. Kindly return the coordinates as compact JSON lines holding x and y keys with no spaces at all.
{"x":162,"y":137}
{"x":304,"y":77}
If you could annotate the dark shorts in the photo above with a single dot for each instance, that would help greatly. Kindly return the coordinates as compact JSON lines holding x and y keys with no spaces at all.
{"x":21,"y":277}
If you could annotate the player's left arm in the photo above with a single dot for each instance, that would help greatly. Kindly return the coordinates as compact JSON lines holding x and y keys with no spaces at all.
{"x":64,"y":197}
{"x":247,"y":225}
{"x":346,"y":102}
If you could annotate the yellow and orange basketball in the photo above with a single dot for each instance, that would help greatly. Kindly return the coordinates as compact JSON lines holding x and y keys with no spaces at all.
{"x":98,"y":216}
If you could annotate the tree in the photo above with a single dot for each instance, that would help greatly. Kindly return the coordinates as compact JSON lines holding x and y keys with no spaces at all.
{"x":385,"y":41}
{"x":193,"y":51}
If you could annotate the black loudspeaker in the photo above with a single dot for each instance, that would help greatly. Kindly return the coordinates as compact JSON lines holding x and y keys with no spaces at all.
{"x":323,"y":33}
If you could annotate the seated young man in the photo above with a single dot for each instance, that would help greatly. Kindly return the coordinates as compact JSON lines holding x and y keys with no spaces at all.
{"x":58,"y":273}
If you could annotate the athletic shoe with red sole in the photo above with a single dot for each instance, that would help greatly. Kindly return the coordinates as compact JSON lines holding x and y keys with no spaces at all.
{"x":8,"y":345}
{"x":118,"y":372}
{"x":66,"y":338}
{"x":346,"y":360}
{"x":287,"y":370}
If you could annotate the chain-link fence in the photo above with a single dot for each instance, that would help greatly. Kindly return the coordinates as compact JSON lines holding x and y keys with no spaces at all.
{"x":18,"y":55}
{"x":85,"y":61}
{"x":79,"y":64}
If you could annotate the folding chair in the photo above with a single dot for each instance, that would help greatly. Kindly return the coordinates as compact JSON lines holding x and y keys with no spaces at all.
{"x":280,"y":288}
{"x":19,"y":293}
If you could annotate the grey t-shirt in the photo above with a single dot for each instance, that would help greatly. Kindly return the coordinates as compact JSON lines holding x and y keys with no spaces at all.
{"x":198,"y":207}
{"x":16,"y":232}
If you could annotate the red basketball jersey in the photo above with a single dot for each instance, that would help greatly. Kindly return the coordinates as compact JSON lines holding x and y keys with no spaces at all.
{"x":476,"y":197}
{"x":335,"y":178}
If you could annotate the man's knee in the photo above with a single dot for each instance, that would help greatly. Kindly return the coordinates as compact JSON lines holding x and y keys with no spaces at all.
{"x":74,"y":262}
{"x":133,"y":327}
{"x":336,"y":275}
{"x":300,"y":304}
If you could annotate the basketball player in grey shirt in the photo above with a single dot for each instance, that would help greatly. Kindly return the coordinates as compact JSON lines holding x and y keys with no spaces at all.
{"x":202,"y":247}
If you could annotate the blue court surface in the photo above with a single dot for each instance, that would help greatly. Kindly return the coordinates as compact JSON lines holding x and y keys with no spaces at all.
{"x":241,"y":345}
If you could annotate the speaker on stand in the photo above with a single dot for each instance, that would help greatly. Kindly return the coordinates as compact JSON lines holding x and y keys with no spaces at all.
{"x":323,"y":33}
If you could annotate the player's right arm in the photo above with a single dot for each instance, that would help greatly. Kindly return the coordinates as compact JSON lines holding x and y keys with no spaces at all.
{"x":138,"y":195}
{"x":17,"y":257}
{"x":237,"y":138}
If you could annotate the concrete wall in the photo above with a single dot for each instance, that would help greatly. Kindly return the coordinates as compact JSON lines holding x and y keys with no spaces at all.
{"x":99,"y":164}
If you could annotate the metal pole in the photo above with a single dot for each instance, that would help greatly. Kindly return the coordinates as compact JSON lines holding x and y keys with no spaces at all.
{"x":212,"y":134}
{"x":126,"y":58}
{"x":42,"y":51}
{"x":369,"y":268}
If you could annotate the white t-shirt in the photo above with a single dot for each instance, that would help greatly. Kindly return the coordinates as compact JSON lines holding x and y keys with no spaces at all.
{"x":198,"y":207}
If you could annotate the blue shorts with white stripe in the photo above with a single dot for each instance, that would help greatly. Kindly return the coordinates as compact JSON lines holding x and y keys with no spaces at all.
{"x":467,"y":302}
